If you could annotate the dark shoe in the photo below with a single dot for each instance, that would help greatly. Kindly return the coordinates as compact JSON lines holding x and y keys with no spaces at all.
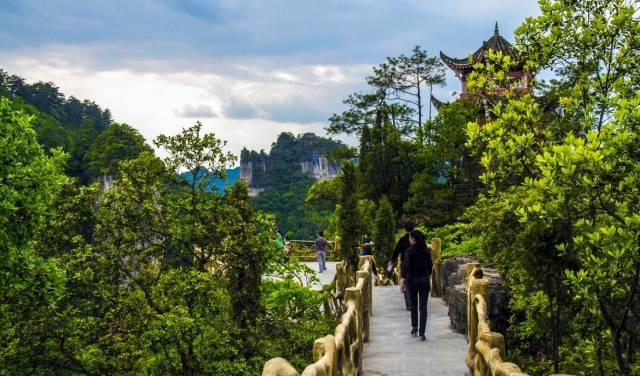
{"x":422,"y":337}
{"x":414,"y":331}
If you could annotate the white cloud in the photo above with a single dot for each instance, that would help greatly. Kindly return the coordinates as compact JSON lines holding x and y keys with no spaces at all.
{"x":162,"y":102}
{"x":199,"y":111}
{"x":261,"y":68}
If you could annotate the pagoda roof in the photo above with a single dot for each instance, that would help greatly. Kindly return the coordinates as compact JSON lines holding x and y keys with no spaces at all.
{"x":496,"y":43}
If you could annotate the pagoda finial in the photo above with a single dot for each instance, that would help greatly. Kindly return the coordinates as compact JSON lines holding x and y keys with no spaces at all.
{"x":495,"y":31}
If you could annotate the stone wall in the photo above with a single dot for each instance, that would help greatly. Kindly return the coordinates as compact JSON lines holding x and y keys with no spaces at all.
{"x":454,"y":288}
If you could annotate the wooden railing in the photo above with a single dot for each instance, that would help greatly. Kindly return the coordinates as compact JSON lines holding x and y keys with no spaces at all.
{"x":486,"y":348}
{"x":339,"y":354}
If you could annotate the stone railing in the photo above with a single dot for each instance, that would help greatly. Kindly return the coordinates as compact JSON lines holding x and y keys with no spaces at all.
{"x":486,"y":348}
{"x":436,"y":276}
{"x":339,"y":354}
{"x":305,"y":250}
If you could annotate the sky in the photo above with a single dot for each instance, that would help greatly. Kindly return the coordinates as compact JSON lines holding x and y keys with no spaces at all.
{"x":248,"y":70}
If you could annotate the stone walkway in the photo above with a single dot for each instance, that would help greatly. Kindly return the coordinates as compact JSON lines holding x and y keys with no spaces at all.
{"x":392,"y":350}
{"x":325,"y":277}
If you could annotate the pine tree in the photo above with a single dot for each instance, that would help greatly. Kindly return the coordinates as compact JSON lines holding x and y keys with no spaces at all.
{"x":383,"y":236}
{"x":348,"y":215}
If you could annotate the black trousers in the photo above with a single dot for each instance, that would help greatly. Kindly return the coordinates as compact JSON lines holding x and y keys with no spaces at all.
{"x":418,"y":294}
{"x":407,"y":299}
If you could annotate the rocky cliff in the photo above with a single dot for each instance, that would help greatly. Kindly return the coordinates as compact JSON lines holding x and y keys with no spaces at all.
{"x":290,"y":158}
{"x":454,"y":286}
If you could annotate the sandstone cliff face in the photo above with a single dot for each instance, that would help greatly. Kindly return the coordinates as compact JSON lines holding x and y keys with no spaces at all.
{"x":454,"y":286}
{"x":291,"y":157}
{"x":319,"y":168}
{"x":246,"y":170}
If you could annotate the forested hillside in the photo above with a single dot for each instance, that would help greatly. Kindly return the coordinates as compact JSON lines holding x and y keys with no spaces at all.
{"x":283,"y":177}
{"x":81,"y":127}
{"x":127,"y":279}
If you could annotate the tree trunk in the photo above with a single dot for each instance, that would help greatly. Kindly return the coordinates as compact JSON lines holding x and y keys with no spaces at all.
{"x":617,"y":349}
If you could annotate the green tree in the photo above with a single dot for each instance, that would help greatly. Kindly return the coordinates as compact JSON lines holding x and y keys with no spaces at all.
{"x":384,"y":233}
{"x":593,"y":46}
{"x":405,"y":80}
{"x":117,"y":143}
{"x":398,"y":89}
{"x":32,"y":285}
{"x":447,"y":180}
{"x":561,"y":185}
{"x":386,"y":163}
{"x":246,"y":260}
{"x":201,"y":217}
{"x":348,"y":215}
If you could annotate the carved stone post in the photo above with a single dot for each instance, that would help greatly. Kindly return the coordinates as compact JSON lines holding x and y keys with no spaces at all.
{"x":326,"y":346}
{"x":475,"y":285}
{"x":336,"y":244}
{"x":353,"y":296}
{"x":341,"y":278}
{"x":366,"y":303}
{"x":278,"y":367}
{"x":436,"y":279}
{"x":369,"y":289}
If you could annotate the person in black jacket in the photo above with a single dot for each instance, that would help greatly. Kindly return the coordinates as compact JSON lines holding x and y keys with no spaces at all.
{"x":416,"y":272}
{"x":401,"y":247}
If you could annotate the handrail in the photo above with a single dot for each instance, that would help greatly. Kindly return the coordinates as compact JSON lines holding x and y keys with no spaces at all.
{"x":306,"y":249}
{"x":339,"y":354}
{"x":486,"y":348}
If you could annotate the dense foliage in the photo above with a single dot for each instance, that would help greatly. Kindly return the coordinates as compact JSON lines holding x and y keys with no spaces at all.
{"x":559,"y":217}
{"x":383,"y":234}
{"x":421,"y":164}
{"x":154,"y":275}
{"x":558,"y":171}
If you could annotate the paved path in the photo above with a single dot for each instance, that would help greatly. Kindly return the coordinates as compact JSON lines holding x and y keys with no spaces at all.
{"x":326,"y":277}
{"x":392,"y":351}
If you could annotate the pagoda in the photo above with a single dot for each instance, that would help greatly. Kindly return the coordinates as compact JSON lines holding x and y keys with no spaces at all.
{"x":462,"y":67}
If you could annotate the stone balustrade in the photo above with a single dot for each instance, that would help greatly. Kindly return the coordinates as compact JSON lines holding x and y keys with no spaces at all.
{"x":305,"y":250}
{"x":436,"y":276}
{"x":486,"y":348}
{"x":339,"y":354}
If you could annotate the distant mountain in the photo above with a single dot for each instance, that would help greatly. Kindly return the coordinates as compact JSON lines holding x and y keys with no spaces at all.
{"x":233,"y":175}
{"x":215,"y":183}
{"x":279,"y":180}
{"x":291,"y":159}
